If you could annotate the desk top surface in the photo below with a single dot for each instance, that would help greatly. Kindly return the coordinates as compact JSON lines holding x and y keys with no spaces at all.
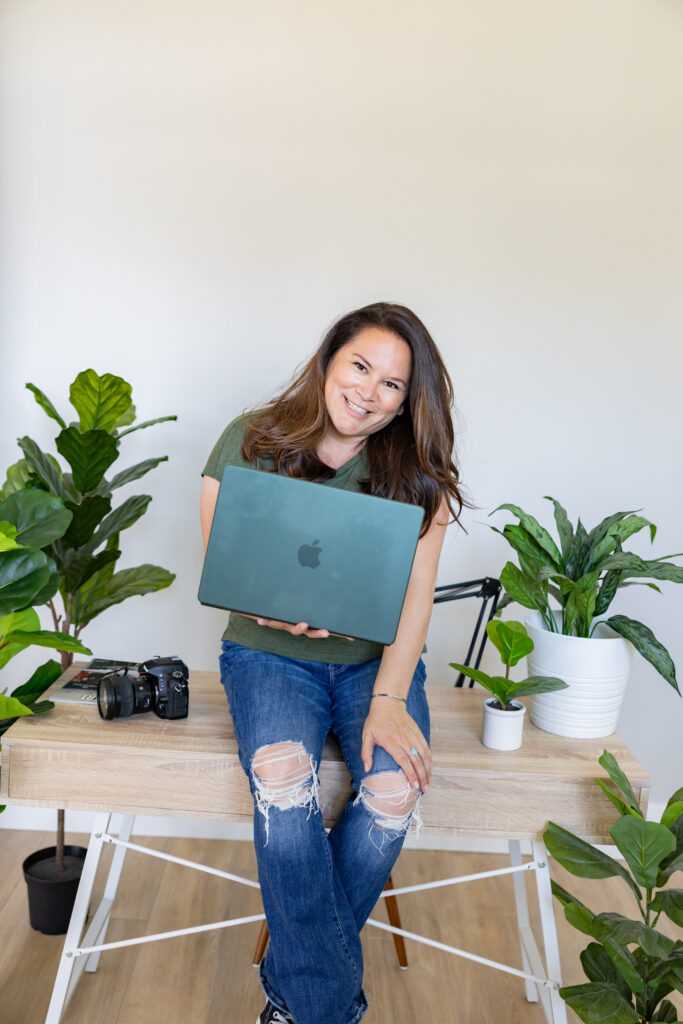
{"x":189,"y":767}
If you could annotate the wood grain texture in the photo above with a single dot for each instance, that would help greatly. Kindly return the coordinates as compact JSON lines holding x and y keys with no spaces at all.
{"x":190,"y":768}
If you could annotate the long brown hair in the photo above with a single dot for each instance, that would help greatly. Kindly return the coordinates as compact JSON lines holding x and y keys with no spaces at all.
{"x":410,"y":459}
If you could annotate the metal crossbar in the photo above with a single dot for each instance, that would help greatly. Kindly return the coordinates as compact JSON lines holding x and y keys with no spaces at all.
{"x":75,"y":955}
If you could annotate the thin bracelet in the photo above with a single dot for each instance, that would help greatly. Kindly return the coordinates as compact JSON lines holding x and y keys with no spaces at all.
{"x":393,"y":696}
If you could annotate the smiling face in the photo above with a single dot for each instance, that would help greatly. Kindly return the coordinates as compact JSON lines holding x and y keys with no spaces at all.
{"x":366,"y":384}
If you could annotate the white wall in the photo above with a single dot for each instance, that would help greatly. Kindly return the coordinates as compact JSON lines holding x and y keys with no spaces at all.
{"x":191,"y":192}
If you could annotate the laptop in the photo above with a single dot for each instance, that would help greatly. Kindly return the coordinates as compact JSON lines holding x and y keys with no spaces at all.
{"x":287,"y":549}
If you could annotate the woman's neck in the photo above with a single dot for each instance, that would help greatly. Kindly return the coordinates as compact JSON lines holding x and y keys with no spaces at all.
{"x":336,"y":454}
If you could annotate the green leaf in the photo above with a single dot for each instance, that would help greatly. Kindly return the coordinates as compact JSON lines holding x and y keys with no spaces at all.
{"x":87,"y":515}
{"x":89,"y":454}
{"x":43,"y":677}
{"x":48,"y":638}
{"x":644,"y":844}
{"x":39,"y":517}
{"x":10,"y":707}
{"x":510,"y":639}
{"x":80,"y":566}
{"x":45,"y":403}
{"x":666,"y":1014}
{"x":625,"y":964}
{"x":582,"y":859}
{"x":144,"y":579}
{"x":18,"y":476}
{"x":8,"y":534}
{"x":99,"y":401}
{"x":532,"y":557}
{"x":599,"y":1003}
{"x":647,"y":644}
{"x":604,"y":529}
{"x":565,"y":530}
{"x":608,"y":589}
{"x":521,"y":588}
{"x":611,"y":765}
{"x":23,"y":573}
{"x":671,"y":902}
{"x":499,"y":686}
{"x":598,"y":966}
{"x":120,"y":519}
{"x":634,"y":567}
{"x":126,"y":418}
{"x":49,"y":589}
{"x":46,"y":469}
{"x":147,"y":423}
{"x":42,"y":706}
{"x":627,"y":527}
{"x":581,"y":603}
{"x":28,"y":619}
{"x":577,"y":562}
{"x":539,"y":534}
{"x":625,"y":931}
{"x":533,"y":685}
{"x":616,"y":800}
{"x":127,"y":476}
{"x":672,"y":813}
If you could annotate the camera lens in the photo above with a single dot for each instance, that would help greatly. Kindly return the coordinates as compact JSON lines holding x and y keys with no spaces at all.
{"x":123,"y":696}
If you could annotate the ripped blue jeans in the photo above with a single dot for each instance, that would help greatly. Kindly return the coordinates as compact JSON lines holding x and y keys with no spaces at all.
{"x":318,"y":890}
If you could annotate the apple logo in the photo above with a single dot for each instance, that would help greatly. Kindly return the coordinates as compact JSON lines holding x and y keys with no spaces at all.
{"x":309,"y":555}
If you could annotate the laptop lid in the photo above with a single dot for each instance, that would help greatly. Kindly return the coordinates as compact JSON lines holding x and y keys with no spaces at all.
{"x":288,"y":549}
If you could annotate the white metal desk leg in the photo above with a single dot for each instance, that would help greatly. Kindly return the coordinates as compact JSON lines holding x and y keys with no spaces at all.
{"x":519,"y":882}
{"x":550,"y":944}
{"x":113,"y":877}
{"x":78,"y":915}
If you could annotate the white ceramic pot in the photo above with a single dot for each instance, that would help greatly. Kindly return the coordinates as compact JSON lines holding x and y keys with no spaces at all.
{"x":502,"y":730}
{"x":596,"y":671}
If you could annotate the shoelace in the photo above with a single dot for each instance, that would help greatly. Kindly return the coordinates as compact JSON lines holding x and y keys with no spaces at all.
{"x":277,"y":1018}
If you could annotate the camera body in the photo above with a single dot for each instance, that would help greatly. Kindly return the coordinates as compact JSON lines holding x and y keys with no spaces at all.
{"x":169,"y":679}
{"x":159,"y":685}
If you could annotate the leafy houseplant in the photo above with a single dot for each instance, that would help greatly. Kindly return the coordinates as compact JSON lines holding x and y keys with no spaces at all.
{"x":583,"y":574}
{"x":83,"y":556}
{"x":29,"y":522}
{"x":86,"y":554}
{"x":512,"y":642}
{"x":631,"y":967}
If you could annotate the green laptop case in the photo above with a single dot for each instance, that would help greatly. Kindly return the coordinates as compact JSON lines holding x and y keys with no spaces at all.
{"x":288,"y":549}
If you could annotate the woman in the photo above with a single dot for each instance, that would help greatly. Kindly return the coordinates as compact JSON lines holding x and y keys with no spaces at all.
{"x":371,"y":411}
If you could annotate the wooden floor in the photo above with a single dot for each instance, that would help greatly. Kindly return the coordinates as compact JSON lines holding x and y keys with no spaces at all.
{"x":207,"y":978}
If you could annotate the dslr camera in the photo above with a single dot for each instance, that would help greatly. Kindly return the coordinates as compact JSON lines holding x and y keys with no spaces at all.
{"x":159,"y":685}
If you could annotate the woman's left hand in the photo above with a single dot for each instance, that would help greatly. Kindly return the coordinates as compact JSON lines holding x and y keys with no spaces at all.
{"x":389,"y":725}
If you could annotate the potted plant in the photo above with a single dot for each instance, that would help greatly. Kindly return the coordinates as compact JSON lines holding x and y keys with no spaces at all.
{"x":83,"y":557}
{"x":569,"y":586}
{"x":631,"y":966}
{"x":29,"y":522}
{"x":503,"y":713}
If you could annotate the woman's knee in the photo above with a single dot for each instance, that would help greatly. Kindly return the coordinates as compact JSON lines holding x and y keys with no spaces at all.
{"x":391,"y":802}
{"x":284,"y":776}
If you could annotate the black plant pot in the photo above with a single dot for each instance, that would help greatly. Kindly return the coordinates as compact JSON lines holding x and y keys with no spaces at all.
{"x":51,"y":893}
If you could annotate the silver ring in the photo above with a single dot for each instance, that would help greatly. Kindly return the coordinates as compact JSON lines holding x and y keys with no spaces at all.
{"x":414,"y":752}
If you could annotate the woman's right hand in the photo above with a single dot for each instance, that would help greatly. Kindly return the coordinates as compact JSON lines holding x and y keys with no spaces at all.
{"x":297,"y":629}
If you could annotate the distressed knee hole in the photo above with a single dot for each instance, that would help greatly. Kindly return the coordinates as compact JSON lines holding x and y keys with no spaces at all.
{"x":390,"y":798}
{"x":284,"y":776}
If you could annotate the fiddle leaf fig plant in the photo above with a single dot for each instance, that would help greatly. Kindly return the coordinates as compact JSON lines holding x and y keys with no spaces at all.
{"x":83,"y":556}
{"x":512,"y":642}
{"x":582,"y":571}
{"x":631,"y":966}
{"x":29,"y":521}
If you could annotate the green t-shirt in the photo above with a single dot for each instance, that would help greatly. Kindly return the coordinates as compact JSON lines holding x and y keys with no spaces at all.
{"x":241,"y":630}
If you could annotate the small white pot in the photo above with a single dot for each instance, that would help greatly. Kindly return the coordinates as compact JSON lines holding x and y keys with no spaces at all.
{"x":596,"y":671}
{"x":502,"y":730}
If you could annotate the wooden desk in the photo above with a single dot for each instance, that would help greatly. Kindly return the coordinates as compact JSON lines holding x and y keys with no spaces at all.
{"x":190,"y":768}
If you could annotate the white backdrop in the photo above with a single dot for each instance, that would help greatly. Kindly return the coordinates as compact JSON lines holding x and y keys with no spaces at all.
{"x":192,"y":192}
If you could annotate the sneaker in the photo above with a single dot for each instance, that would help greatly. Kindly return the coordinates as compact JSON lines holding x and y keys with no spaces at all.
{"x":271,"y":1015}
